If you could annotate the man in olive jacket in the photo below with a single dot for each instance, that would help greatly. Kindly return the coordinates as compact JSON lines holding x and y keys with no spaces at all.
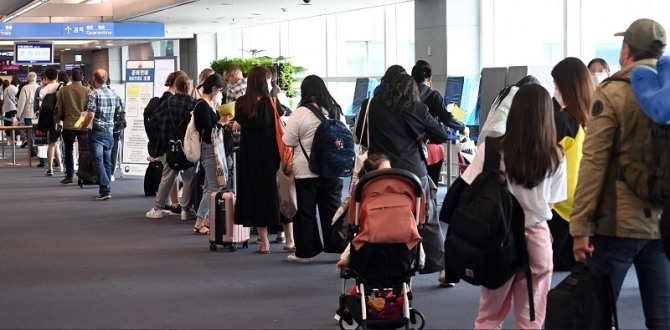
{"x":70,"y":104}
{"x":609,"y":220}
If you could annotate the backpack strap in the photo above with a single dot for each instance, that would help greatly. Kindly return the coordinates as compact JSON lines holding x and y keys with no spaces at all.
{"x":492,"y":164}
{"x":319,"y":114}
{"x":492,"y":154}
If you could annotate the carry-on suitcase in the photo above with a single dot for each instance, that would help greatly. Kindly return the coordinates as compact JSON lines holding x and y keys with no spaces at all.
{"x":583,"y":300}
{"x":222,"y":227}
{"x":85,"y":170}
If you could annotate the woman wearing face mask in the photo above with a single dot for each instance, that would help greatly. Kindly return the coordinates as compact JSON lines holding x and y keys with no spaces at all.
{"x":574,"y":88}
{"x":599,"y":70}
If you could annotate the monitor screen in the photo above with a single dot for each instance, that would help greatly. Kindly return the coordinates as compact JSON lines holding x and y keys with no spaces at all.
{"x":33,"y":53}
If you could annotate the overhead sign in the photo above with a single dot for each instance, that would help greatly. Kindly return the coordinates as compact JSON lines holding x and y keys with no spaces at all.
{"x":129,"y":30}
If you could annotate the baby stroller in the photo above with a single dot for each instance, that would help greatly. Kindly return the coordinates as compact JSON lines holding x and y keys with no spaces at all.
{"x":385,"y":252}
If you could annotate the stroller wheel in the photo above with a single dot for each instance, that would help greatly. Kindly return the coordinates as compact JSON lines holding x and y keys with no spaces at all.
{"x":416,"y":320}
{"x":346,"y":326}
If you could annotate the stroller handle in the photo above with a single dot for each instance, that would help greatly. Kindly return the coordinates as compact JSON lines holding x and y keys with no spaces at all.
{"x":411,"y":177}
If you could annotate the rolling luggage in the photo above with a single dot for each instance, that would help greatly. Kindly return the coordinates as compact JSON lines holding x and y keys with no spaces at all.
{"x":583,"y":300}
{"x":85,"y":170}
{"x":222,"y":227}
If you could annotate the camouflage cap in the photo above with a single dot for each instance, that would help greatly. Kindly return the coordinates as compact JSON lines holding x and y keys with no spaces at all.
{"x":646,"y":35}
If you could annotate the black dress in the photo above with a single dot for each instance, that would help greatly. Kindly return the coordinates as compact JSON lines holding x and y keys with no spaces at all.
{"x":257,"y":204}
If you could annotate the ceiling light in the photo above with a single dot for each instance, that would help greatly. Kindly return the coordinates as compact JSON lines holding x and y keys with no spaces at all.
{"x":109,"y":44}
{"x":67,"y":49}
{"x":227,"y":4}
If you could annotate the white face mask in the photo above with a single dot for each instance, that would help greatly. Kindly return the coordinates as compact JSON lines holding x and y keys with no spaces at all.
{"x":599,"y":77}
{"x":558,"y":97}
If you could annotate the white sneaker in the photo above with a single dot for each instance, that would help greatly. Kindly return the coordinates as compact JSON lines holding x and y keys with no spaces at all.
{"x":293,"y":257}
{"x":187,"y":214}
{"x":154,"y":214}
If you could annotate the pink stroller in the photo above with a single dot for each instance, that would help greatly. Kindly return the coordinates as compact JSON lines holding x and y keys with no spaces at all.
{"x":386,"y":251}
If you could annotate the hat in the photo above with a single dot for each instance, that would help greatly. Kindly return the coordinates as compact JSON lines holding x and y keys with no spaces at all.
{"x":643,"y":33}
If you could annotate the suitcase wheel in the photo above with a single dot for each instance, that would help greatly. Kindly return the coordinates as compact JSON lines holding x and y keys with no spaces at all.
{"x":232,"y":248}
{"x":212,"y":247}
{"x":81,"y":183}
{"x":245,"y":244}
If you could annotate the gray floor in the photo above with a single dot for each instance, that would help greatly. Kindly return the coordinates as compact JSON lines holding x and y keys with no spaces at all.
{"x":68,"y":261}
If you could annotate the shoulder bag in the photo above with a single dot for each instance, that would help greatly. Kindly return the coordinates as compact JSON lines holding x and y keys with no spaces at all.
{"x":288,"y":199}
{"x":192,"y":139}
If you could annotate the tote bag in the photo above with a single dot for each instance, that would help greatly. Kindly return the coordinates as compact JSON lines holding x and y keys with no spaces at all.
{"x":288,"y":201}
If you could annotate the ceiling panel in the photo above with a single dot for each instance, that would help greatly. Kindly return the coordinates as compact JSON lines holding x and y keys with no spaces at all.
{"x":9,"y":6}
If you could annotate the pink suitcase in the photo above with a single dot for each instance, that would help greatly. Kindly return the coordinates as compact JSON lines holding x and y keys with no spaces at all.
{"x":222,"y":229}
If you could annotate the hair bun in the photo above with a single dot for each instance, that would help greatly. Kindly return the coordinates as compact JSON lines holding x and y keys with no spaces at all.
{"x":427,"y":72}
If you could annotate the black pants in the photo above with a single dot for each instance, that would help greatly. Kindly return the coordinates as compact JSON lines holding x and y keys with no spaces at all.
{"x":326,"y":195}
{"x":562,"y":245}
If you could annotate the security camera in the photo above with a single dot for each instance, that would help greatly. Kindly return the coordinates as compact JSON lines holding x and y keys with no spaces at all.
{"x":307,"y":1}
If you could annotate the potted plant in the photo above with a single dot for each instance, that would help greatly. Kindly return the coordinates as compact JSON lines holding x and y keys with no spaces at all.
{"x":286,"y":71}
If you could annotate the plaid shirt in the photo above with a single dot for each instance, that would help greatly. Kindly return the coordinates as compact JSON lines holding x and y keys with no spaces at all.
{"x":104,"y":103}
{"x":235,"y":91}
{"x":172,"y":117}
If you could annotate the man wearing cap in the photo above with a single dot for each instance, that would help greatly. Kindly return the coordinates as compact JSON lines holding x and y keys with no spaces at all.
{"x":608,"y":220}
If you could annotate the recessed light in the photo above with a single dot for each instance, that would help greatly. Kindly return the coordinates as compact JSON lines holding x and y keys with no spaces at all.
{"x":227,"y":4}
{"x":110,"y":44}
{"x":67,"y":49}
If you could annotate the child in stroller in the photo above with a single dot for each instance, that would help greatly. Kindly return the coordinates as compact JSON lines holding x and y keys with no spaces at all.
{"x":384,"y":251}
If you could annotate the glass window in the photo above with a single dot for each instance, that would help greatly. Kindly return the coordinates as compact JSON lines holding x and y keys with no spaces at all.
{"x":604,"y":18}
{"x":263,"y":40}
{"x":534,"y":38}
{"x":360,"y":43}
{"x":307,"y":44}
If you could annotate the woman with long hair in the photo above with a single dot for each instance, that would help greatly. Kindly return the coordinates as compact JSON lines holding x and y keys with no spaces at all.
{"x":397,"y":119}
{"x":574,"y":87}
{"x":312,"y":190}
{"x":257,"y":203}
{"x":206,"y":119}
{"x":534,"y":164}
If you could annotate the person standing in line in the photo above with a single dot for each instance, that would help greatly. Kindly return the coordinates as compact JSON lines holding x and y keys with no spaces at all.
{"x":422,"y":73}
{"x":609,"y":220}
{"x":258,"y":160}
{"x":534,"y":165}
{"x":53,"y":135}
{"x":102,"y":106}
{"x":70,"y":106}
{"x":207,"y":119}
{"x":173,"y":116}
{"x":25,"y":109}
{"x":599,"y":70}
{"x":237,"y":85}
{"x":397,"y":119}
{"x":312,"y":190}
{"x":36,"y":109}
{"x":9,"y":107}
{"x":574,"y":88}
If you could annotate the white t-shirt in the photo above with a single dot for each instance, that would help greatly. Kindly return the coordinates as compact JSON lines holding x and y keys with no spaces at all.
{"x":535,"y":202}
{"x":301,"y":126}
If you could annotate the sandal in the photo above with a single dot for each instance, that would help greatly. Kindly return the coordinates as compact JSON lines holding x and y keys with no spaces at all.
{"x":198,"y":230}
{"x":289,"y":248}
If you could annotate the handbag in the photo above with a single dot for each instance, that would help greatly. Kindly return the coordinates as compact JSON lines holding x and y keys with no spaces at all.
{"x":288,"y":199}
{"x":220,"y":156}
{"x":285,"y":177}
{"x":362,"y":152}
{"x":192,"y":139}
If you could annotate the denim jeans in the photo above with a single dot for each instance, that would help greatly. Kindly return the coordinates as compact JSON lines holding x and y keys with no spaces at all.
{"x":617,"y":254}
{"x":68,"y":146}
{"x":208,"y":162}
{"x":29,"y":122}
{"x":100,"y":147}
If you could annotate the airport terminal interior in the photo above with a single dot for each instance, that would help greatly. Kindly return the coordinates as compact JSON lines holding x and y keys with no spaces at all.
{"x":68,"y":261}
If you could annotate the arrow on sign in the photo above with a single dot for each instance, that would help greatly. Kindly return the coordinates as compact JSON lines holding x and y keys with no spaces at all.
{"x":68,"y":29}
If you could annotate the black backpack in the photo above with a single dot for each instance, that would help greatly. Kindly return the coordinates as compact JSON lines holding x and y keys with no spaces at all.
{"x":151,"y":127}
{"x":333,"y":148}
{"x":152,"y":178}
{"x":47,"y":110}
{"x":175,"y":156}
{"x":485,"y":243}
